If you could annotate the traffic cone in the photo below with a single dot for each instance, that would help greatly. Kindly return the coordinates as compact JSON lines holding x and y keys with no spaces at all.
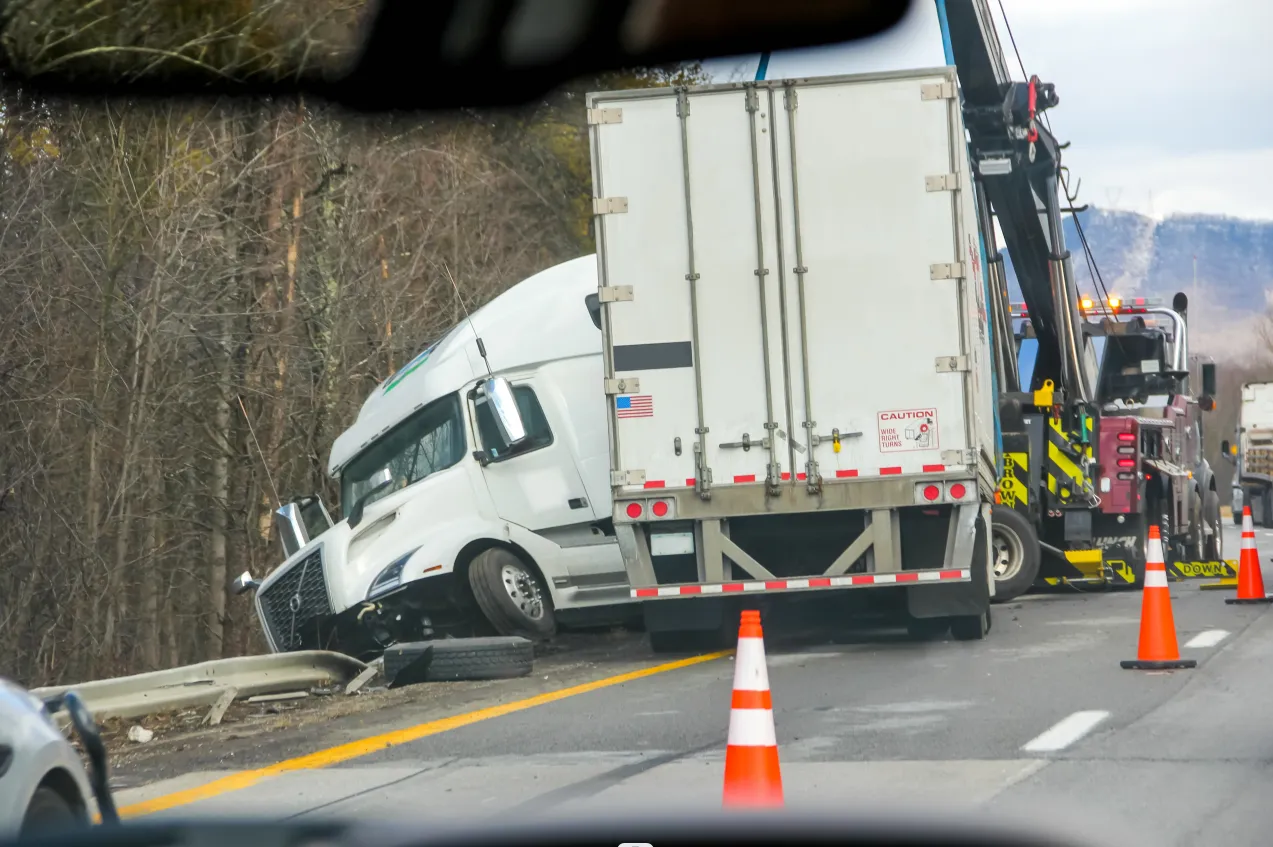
{"x":1158,"y":649}
{"x":1250,"y":580}
{"x":751,"y":757}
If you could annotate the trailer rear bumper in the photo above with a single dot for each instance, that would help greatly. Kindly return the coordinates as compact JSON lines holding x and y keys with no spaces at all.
{"x":902,"y":578}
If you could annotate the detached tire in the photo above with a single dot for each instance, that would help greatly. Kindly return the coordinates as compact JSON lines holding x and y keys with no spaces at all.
{"x":48,"y":812}
{"x":511,"y":595}
{"x":458,"y":660}
{"x":1015,"y":547}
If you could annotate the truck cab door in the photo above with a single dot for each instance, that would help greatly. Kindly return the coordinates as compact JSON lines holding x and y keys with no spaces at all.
{"x":538,"y":485}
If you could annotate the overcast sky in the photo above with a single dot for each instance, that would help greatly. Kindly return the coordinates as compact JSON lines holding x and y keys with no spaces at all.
{"x":1164,"y":100}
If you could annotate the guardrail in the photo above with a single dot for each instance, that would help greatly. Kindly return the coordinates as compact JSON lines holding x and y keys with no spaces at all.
{"x":214,"y":684}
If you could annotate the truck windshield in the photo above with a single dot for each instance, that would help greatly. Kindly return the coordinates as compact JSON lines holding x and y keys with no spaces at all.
{"x":430,"y":440}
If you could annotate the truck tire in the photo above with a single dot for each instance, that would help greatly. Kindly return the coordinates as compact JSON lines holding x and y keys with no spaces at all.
{"x":687,"y":640}
{"x":48,"y":812}
{"x":970,"y":627}
{"x":1016,"y":553}
{"x":1266,"y":509}
{"x":458,"y":659}
{"x":1213,"y":548}
{"x":511,"y":595}
{"x":927,"y":629}
{"x":1195,"y":551}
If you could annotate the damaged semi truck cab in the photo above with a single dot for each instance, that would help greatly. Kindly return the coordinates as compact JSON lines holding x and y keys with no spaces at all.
{"x":473,"y":489}
{"x":798,"y":376}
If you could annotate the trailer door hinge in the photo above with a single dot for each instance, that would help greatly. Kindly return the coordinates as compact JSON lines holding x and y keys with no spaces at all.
{"x":946,"y":270}
{"x":614,"y":294}
{"x":937,"y":91}
{"x":957,"y":458}
{"x":609,"y":205}
{"x":627,"y":385}
{"x":942,"y":182}
{"x":633,"y":478}
{"x":951,"y":364}
{"x":605,"y":116}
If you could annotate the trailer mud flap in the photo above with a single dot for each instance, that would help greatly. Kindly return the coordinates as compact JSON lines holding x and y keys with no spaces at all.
{"x":957,"y":598}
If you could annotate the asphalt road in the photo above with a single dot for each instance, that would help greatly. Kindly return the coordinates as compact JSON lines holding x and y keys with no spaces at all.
{"x":1038,"y":721}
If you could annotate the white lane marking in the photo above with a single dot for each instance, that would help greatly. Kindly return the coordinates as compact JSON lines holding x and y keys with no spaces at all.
{"x":1066,"y":732}
{"x":1210,"y":638}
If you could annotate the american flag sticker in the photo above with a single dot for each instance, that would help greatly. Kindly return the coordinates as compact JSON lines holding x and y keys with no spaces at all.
{"x":634,"y":406}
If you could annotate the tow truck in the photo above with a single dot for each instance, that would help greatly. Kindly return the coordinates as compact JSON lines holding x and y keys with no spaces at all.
{"x":1102,"y":435}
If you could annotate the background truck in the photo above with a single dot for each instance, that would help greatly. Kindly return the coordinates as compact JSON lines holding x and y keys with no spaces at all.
{"x":451,"y":519}
{"x":1252,"y":452}
{"x":797,"y":354}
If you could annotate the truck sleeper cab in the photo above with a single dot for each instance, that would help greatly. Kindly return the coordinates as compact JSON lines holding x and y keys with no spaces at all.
{"x":445,"y":526}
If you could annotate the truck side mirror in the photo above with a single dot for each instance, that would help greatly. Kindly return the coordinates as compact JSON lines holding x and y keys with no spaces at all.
{"x":499,"y":394}
{"x":1226,"y":448}
{"x":593,"y":302}
{"x":1209,"y":379}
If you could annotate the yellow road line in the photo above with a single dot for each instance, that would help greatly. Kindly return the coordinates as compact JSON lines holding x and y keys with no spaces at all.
{"x":362,"y":747}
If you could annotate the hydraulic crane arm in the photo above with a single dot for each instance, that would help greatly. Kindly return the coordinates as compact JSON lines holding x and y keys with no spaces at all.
{"x":1016,"y":166}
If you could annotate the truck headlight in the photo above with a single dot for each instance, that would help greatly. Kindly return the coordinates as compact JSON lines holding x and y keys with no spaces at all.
{"x":389,"y":578}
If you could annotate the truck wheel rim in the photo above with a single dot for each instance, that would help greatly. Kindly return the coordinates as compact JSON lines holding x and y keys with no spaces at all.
{"x":1009,"y":553}
{"x":523,"y":591}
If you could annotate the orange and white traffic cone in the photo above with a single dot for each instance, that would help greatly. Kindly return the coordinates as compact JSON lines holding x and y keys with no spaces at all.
{"x":1158,"y":648}
{"x":1250,"y":580}
{"x":752,"y":777}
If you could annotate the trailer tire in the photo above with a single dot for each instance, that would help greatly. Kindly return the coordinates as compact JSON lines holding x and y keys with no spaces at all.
{"x":1016,"y":553}
{"x":458,"y":659}
{"x":927,"y":629}
{"x":970,"y":627}
{"x":687,"y":640}
{"x":1266,"y":508}
{"x":512,"y":595}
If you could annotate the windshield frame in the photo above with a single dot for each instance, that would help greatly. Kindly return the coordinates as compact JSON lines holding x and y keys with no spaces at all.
{"x":417,"y":420}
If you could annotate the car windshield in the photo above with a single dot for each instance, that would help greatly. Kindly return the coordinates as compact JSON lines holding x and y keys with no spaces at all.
{"x":429,"y":441}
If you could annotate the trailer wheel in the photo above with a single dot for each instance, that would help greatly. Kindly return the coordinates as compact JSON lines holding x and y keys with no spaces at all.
{"x":1016,"y":553}
{"x":970,"y":627}
{"x":1213,"y":548}
{"x":511,"y":595}
{"x":927,"y":629}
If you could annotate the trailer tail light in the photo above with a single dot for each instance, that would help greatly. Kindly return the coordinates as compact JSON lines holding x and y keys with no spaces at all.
{"x":1127,"y":463}
{"x":634,"y":510}
{"x":1126,"y":436}
{"x":659,"y":509}
{"x":1127,"y":476}
{"x":958,"y":491}
{"x":931,"y":493}
{"x":1127,"y":451}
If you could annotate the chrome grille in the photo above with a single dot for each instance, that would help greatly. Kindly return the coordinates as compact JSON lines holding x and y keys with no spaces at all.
{"x":294,"y":605}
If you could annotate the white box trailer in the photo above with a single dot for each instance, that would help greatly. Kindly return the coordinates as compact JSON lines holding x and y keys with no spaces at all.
{"x":1253,"y":480}
{"x":796,"y":346}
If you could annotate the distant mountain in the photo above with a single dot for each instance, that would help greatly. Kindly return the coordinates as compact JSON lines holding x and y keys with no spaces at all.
{"x":1138,"y":256}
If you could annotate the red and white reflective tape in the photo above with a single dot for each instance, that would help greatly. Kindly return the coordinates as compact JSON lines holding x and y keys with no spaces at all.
{"x":846,"y":581}
{"x":1155,"y":570}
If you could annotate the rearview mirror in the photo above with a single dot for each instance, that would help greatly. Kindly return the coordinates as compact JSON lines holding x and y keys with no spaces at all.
{"x":243,"y":583}
{"x":499,"y":394}
{"x":1209,"y":379}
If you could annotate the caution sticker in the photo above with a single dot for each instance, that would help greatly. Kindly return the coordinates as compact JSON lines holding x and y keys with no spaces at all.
{"x":908,"y":430}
